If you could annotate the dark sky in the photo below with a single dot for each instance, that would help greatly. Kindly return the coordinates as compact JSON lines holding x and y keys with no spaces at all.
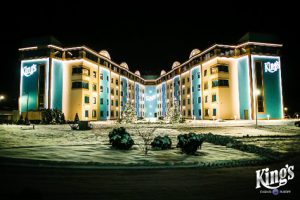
{"x":148,"y":36}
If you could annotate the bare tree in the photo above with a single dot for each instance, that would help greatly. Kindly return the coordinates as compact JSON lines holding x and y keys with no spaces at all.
{"x":147,"y":137}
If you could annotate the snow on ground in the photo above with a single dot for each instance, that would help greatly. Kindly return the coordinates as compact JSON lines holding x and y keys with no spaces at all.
{"x":59,"y":143}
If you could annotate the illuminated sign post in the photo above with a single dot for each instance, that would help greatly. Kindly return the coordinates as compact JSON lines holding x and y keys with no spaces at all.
{"x":28,"y":71}
{"x":272,"y":67}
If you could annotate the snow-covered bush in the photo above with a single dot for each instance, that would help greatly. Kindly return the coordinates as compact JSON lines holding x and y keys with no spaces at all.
{"x":162,"y":142}
{"x":189,"y":143}
{"x":119,"y":138}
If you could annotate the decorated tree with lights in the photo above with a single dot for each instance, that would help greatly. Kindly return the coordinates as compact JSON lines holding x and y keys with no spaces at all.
{"x":128,"y":114}
{"x":173,"y":113}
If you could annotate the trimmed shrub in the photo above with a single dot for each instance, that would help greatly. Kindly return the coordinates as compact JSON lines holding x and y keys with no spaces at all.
{"x":52,"y":116}
{"x":161,"y":142}
{"x":189,"y":143}
{"x":119,"y":138}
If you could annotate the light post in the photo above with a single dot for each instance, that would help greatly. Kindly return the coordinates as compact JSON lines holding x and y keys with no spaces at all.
{"x":257,"y":92}
{"x":285,"y":112}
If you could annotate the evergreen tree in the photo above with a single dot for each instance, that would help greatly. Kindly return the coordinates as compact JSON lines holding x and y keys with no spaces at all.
{"x":129,"y":113}
{"x":76,"y":120}
{"x":173,"y":113}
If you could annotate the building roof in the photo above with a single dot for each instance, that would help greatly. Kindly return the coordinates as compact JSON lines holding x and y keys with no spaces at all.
{"x":258,"y":37}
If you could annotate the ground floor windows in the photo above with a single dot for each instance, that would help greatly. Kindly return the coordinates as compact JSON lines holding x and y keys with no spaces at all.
{"x":214,"y":112}
{"x":86,"y":113}
{"x":206,"y":112}
{"x":94,"y":113}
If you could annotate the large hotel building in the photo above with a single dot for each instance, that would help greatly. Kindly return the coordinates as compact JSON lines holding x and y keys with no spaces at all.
{"x":220,"y":82}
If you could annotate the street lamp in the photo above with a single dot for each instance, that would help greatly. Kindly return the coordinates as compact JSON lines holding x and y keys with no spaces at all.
{"x":2,"y":97}
{"x":257,"y":92}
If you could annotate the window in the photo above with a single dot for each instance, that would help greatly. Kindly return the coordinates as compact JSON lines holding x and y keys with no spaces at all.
{"x":117,"y":82}
{"x":107,"y":113}
{"x":259,"y":86}
{"x":95,"y":87}
{"x":214,"y":98}
{"x":76,"y":84}
{"x":112,"y":91}
{"x":101,"y":101}
{"x":206,"y":112}
{"x":198,"y":74}
{"x":121,"y":93}
{"x":86,"y":113}
{"x":189,"y":101}
{"x":199,"y":112}
{"x":206,"y":99}
{"x":188,"y":90}
{"x":94,"y":74}
{"x":107,"y":102}
{"x":220,"y":82}
{"x":192,"y":77}
{"x":214,"y":112}
{"x":101,"y":76}
{"x":94,"y":113}
{"x":223,"y":68}
{"x":117,"y":114}
{"x":192,"y":88}
{"x":183,"y":102}
{"x":205,"y":86}
{"x":86,"y":99}
{"x":94,"y":100}
{"x":199,"y":99}
{"x":112,"y":102}
{"x":101,"y":113}
{"x":189,"y":112}
{"x":80,"y":70}
{"x":183,"y":91}
{"x":117,"y":92}
{"x":112,"y":80}
{"x":205,"y":72}
{"x":112,"y":113}
{"x":199,"y":87}
{"x":117,"y":103}
{"x":101,"y":88}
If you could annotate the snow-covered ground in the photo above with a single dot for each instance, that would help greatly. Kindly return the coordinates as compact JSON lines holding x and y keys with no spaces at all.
{"x":59,"y":143}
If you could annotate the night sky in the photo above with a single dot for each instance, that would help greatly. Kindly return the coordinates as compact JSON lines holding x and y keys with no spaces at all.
{"x":148,"y":36}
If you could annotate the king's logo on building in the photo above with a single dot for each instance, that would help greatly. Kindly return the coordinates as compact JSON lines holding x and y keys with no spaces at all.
{"x":272,"y":67}
{"x":28,"y":71}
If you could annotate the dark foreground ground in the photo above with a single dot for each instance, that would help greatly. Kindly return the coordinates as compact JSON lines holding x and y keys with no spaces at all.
{"x":224,"y":183}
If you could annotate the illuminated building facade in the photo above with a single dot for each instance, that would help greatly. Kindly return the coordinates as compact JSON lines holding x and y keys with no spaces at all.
{"x":217,"y":83}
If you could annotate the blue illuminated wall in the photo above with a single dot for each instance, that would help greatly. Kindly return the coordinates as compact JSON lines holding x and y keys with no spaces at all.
{"x":56,"y":84}
{"x":244,"y":87}
{"x":29,"y":84}
{"x":272,"y":88}
{"x":124,"y":88}
{"x":176,"y":85}
{"x":164,"y":98}
{"x":137,"y":99}
{"x":150,"y":101}
{"x":196,"y":80}
{"x":105,"y":94}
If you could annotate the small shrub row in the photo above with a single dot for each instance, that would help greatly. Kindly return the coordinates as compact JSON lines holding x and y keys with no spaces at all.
{"x":232,"y":142}
{"x":119,"y":138}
